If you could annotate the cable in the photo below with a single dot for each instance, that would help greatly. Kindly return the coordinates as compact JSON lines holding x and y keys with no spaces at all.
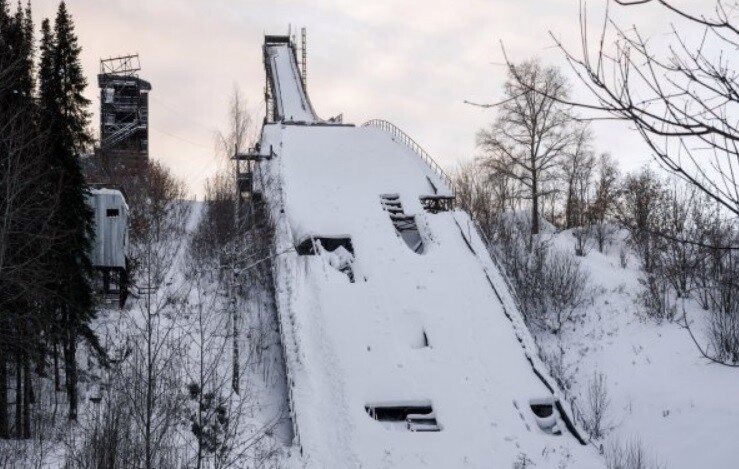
{"x":181,"y":138}
{"x":180,"y":113}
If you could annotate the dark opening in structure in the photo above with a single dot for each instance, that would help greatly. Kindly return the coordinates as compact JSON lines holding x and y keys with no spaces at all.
{"x":547,"y":418}
{"x":437,"y":203}
{"x":112,"y":212}
{"x":542,"y":410}
{"x":414,"y":417}
{"x":338,"y":252}
{"x":307,"y":246}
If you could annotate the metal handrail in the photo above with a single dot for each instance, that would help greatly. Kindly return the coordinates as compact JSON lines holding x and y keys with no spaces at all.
{"x":119,"y":135}
{"x":417,"y":149}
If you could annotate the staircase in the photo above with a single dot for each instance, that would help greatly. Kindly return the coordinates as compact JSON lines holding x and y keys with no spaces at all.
{"x":119,"y":135}
{"x":405,"y":225}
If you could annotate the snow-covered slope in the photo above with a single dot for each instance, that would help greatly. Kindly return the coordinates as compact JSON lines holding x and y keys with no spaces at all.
{"x":290,"y":97}
{"x":681,"y":407}
{"x":375,"y":327}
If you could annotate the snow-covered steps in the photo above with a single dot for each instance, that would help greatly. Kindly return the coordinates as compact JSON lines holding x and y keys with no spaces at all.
{"x":405,"y":225}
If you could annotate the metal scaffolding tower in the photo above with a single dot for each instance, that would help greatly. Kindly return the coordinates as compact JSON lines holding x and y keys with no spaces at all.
{"x":124,"y":112}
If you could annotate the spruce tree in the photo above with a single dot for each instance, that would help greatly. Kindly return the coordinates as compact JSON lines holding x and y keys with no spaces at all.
{"x":24,"y":217}
{"x":18,"y":153}
{"x":46,"y":69}
{"x":64,"y":111}
{"x":5,"y":324}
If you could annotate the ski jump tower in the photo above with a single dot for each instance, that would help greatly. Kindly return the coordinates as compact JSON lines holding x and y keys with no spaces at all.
{"x":124,"y":114}
{"x":402,"y":340}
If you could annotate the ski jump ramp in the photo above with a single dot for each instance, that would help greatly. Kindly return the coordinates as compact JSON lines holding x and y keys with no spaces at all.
{"x":403,"y":345}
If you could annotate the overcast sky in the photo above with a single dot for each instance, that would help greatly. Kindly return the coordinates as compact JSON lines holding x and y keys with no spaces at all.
{"x":410,"y":62}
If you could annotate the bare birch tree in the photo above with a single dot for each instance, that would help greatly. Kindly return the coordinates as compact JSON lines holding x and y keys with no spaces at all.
{"x":530,"y":134}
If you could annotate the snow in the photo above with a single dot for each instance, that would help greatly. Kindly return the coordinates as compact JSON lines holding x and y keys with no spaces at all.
{"x":190,"y":314}
{"x":682,"y":408}
{"x":290,"y":97}
{"x":349,"y":345}
{"x":440,"y":328}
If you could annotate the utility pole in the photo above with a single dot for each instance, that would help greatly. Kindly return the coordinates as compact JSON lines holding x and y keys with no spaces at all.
{"x":149,"y":364}
{"x":232,"y":293}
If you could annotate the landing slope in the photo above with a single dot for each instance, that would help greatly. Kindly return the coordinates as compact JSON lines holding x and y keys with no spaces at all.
{"x":409,"y":329}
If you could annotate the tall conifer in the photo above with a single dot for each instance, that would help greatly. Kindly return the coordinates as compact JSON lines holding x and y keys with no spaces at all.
{"x":19,"y":155}
{"x":5,"y":324}
{"x":62,"y":85}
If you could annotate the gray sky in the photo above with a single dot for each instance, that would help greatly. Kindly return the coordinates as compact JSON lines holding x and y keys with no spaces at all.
{"x":410,"y":62}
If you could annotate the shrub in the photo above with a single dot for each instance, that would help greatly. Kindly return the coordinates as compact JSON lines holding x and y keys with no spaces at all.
{"x":631,"y":455}
{"x":594,"y":419}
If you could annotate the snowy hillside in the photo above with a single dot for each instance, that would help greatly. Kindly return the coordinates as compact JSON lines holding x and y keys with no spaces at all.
{"x":662,"y":392}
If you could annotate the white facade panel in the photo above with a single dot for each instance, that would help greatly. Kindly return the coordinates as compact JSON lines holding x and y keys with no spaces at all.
{"x":110,"y":246}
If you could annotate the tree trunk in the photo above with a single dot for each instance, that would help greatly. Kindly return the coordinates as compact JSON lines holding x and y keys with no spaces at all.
{"x":70,"y":370}
{"x":149,"y":396}
{"x":569,"y":207}
{"x":57,"y":379}
{"x":534,"y":204}
{"x":27,"y":396}
{"x":236,"y":379}
{"x":4,"y":423}
{"x":18,"y":396}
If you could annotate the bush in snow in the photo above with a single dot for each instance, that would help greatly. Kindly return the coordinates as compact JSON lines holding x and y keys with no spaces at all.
{"x":656,"y":298}
{"x":631,"y":455}
{"x":594,"y":418}
{"x":623,"y":259}
{"x":724,"y":335}
{"x":637,"y":211}
{"x":723,"y":302}
{"x":555,"y":286}
{"x":562,"y":372}
{"x":582,"y":236}
{"x":566,"y":289}
{"x":601,"y":209}
{"x":209,"y":419}
{"x":523,"y":462}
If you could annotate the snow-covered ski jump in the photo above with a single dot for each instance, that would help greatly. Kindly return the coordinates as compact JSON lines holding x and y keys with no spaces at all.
{"x":403,"y":344}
